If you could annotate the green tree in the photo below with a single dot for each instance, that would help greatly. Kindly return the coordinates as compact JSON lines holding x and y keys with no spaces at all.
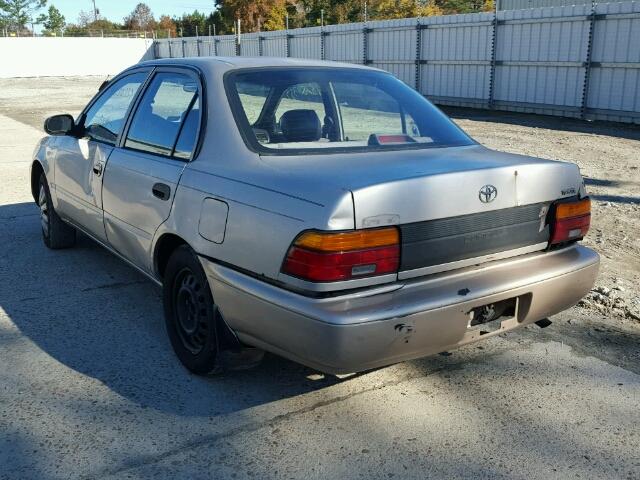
{"x":189,"y":21}
{"x":257,"y":14}
{"x":460,"y":6}
{"x":55,"y":20}
{"x":96,"y":27}
{"x":385,"y":9}
{"x":18,"y":13}
{"x":221,"y":24}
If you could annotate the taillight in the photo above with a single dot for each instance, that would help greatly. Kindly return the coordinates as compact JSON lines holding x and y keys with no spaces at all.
{"x":330,"y":257}
{"x":571,"y":221}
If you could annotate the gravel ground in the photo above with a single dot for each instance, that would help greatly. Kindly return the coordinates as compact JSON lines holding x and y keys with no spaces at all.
{"x":609,"y":157}
{"x":89,"y":387}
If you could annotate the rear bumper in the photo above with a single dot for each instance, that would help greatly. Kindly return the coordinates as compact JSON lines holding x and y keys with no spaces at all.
{"x":400,"y":321}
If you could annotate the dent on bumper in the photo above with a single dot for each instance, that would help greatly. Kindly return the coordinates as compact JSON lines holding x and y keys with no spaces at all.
{"x":401,"y":321}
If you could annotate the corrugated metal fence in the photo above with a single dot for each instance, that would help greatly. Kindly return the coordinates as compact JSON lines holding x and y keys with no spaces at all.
{"x":520,"y":4}
{"x":575,"y":61}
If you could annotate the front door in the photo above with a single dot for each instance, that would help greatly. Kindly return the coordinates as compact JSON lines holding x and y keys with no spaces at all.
{"x":80,"y":162}
{"x":142,"y":175}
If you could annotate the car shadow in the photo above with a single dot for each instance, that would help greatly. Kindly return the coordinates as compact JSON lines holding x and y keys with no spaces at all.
{"x":611,"y":129}
{"x":91,"y":312}
{"x":616,"y":199}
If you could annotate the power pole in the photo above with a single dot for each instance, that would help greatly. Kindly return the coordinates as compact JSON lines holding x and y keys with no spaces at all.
{"x":95,"y":12}
{"x":365,"y":11}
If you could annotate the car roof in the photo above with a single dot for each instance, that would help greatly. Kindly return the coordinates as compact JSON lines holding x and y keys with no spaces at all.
{"x":230,"y":63}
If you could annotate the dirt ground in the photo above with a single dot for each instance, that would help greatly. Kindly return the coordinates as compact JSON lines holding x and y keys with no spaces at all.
{"x":89,"y":386}
{"x":609,"y":158}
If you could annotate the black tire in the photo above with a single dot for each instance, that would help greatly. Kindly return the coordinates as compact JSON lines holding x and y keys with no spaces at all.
{"x":55,"y":233}
{"x":190,"y":312}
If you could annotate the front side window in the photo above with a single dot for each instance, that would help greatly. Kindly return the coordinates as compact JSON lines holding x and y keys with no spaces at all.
{"x":169,"y":108}
{"x":283,"y":110}
{"x":106,"y":117}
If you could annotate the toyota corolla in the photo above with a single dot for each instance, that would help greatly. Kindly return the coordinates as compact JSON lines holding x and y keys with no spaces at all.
{"x":324,"y":212}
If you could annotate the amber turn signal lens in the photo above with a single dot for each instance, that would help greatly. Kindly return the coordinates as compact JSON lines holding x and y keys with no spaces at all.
{"x":331,"y":257}
{"x":347,"y":241}
{"x":573,"y":209}
{"x":572,"y":221}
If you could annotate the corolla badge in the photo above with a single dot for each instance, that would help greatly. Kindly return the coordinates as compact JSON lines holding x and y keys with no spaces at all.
{"x":488,"y":193}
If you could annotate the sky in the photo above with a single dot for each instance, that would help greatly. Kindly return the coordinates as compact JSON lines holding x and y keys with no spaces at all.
{"x":116,"y":10}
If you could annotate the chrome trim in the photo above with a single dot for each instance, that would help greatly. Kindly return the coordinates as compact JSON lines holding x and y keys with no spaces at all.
{"x":443,"y":267}
{"x":110,"y":249}
{"x":333,"y":286}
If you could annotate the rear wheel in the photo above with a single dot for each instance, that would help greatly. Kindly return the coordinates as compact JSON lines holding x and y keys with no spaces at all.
{"x":55,"y":233}
{"x":190,"y":312}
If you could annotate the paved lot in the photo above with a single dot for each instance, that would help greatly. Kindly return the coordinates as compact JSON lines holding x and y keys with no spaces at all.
{"x":89,"y":386}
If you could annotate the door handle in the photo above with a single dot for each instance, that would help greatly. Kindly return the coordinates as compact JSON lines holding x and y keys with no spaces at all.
{"x":162,"y":191}
{"x":97,"y":168}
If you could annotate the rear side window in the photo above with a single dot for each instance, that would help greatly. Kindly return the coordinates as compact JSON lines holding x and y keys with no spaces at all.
{"x":253,"y":97}
{"x":189,"y":134}
{"x":105,"y":119}
{"x":169,"y":106}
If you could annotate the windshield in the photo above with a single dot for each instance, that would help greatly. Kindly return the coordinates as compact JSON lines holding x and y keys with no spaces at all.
{"x":319,"y":109}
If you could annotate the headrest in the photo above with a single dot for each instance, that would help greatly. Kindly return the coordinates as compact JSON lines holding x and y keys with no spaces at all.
{"x":301,"y":125}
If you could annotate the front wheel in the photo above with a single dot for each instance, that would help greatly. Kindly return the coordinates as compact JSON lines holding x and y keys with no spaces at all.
{"x":190,"y":312}
{"x":55,"y":233}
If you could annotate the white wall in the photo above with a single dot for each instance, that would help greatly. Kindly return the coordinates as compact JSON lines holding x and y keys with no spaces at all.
{"x":55,"y":57}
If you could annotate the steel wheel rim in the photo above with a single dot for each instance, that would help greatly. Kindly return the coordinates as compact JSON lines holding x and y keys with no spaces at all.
{"x":44,"y":210}
{"x":190,"y":311}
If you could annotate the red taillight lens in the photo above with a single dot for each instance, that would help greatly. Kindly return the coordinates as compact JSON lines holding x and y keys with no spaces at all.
{"x":572,"y":221}
{"x":330,"y":257}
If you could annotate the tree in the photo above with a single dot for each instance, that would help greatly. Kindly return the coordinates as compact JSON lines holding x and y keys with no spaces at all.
{"x":258,"y":14}
{"x":85,"y":18}
{"x":460,"y":6}
{"x":166,"y":24}
{"x":218,"y":23}
{"x":276,"y":17}
{"x":55,"y":21}
{"x":385,"y":9}
{"x":84,"y":27}
{"x":189,"y":21}
{"x":488,"y":6}
{"x":18,"y":13}
{"x":141,"y":18}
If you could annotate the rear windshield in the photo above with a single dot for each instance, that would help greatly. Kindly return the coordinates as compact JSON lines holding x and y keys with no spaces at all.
{"x":320,"y":109}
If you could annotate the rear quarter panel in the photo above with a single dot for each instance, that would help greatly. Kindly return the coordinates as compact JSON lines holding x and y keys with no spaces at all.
{"x":261,"y":223}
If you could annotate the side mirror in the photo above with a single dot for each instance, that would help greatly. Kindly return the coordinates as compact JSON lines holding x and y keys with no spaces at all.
{"x":59,"y":125}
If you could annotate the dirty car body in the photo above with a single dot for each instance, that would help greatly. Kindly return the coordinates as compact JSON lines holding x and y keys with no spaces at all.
{"x":338,"y":219}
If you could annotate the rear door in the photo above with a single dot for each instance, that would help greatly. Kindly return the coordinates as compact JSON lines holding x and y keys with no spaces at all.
{"x":142,"y":174}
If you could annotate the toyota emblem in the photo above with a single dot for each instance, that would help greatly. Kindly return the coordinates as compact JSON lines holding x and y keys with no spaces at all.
{"x":488,"y":194}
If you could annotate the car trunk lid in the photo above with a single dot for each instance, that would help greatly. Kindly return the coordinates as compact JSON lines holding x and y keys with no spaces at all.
{"x":453,"y":206}
{"x":453,"y":219}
